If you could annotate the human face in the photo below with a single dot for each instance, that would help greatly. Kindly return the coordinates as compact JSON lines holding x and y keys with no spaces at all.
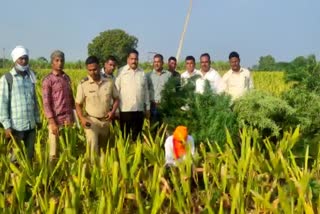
{"x":190,"y":65}
{"x":57,"y":64}
{"x":205,"y":63}
{"x":133,"y":61}
{"x":234,"y":63}
{"x":172,"y":65}
{"x":94,"y":71}
{"x":23,"y":60}
{"x":109,"y":67}
{"x":157,"y":64}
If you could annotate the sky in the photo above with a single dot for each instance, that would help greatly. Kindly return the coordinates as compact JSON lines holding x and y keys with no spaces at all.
{"x":284,"y":29}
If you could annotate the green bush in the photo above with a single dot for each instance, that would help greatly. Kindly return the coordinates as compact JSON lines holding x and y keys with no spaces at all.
{"x":206,"y":115}
{"x":263,"y":111}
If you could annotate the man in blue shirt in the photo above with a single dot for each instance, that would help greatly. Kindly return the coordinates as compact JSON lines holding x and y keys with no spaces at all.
{"x":19,"y":113}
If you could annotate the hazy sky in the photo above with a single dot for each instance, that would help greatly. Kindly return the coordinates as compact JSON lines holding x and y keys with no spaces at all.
{"x":254,"y":28}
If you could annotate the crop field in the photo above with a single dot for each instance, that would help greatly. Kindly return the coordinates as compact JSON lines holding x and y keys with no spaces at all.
{"x":248,"y":175}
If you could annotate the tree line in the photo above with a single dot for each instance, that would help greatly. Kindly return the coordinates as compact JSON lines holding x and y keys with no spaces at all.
{"x":117,"y":42}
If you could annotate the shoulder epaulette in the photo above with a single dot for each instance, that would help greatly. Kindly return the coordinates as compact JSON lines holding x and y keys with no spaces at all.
{"x":84,"y":80}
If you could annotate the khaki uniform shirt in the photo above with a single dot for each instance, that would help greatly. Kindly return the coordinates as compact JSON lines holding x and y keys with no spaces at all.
{"x":237,"y":83}
{"x":96,"y":96}
{"x":133,"y":89}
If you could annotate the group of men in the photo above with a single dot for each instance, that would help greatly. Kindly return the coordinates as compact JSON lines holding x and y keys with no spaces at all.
{"x":133,"y":93}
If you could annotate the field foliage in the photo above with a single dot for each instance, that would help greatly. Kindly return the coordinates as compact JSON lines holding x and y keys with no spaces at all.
{"x":260,"y":163}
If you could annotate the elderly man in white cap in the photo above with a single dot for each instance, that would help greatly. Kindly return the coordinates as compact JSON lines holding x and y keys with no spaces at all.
{"x":19,"y":113}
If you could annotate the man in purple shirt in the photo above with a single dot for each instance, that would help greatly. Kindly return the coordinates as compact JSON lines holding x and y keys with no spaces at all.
{"x":58,"y":101}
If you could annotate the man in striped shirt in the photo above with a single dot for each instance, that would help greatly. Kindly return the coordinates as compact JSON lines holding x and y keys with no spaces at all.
{"x":19,"y":113}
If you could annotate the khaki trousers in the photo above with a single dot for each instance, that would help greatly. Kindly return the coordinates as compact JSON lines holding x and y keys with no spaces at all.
{"x":53,"y":141}
{"x":97,"y":136}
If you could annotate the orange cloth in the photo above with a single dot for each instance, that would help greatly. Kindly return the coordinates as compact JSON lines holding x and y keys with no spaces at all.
{"x":180,"y":136}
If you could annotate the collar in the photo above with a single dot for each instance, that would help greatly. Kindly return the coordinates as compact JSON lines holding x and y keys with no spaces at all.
{"x":57,"y":75}
{"x":162,"y":72}
{"x":127,"y":68}
{"x":91,"y":81}
{"x":107,"y":75}
{"x":15,"y":73}
{"x":240,"y":71}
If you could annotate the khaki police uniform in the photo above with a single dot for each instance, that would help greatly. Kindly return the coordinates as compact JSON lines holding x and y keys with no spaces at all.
{"x":96,"y":97}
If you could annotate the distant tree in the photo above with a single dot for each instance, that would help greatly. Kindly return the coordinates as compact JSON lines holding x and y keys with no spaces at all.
{"x":282,"y":66}
{"x":5,"y":63}
{"x":305,"y":73}
{"x":221,"y":65}
{"x":43,"y":59}
{"x":267,"y":63}
{"x":40,"y":62}
{"x":112,"y":42}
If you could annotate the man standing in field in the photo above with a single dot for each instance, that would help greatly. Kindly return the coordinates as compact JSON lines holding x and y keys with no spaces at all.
{"x":208,"y":74}
{"x":172,"y":65}
{"x":110,"y":66}
{"x":237,"y":80}
{"x":190,"y":63}
{"x":95,"y":93}
{"x":58,"y":101}
{"x":19,"y":113}
{"x":132,"y":85}
{"x":156,"y":82}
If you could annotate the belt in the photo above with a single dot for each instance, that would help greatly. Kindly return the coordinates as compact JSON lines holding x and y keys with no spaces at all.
{"x":99,"y":118}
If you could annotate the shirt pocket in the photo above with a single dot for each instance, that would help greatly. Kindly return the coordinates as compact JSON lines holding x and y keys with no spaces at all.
{"x":106,"y":94}
{"x":57,"y":88}
{"x":92,"y":98}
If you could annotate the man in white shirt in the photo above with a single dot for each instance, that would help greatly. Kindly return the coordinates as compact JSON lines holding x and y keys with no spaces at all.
{"x":178,"y":145}
{"x":237,"y":80}
{"x":208,"y":74}
{"x":190,"y":63}
{"x":132,"y":85}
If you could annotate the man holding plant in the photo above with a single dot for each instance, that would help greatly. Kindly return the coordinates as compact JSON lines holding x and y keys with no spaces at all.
{"x":178,"y":145}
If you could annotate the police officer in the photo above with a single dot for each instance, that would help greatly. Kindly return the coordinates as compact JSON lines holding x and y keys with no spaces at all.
{"x":96,"y":92}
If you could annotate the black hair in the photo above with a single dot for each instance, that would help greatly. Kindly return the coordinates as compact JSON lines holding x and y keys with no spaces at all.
{"x":158,"y":56}
{"x":92,"y":60}
{"x":205,"y":54}
{"x":133,"y":51}
{"x":172,"y":58}
{"x":234,"y":54}
{"x":190,"y":58}
{"x":112,"y":58}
